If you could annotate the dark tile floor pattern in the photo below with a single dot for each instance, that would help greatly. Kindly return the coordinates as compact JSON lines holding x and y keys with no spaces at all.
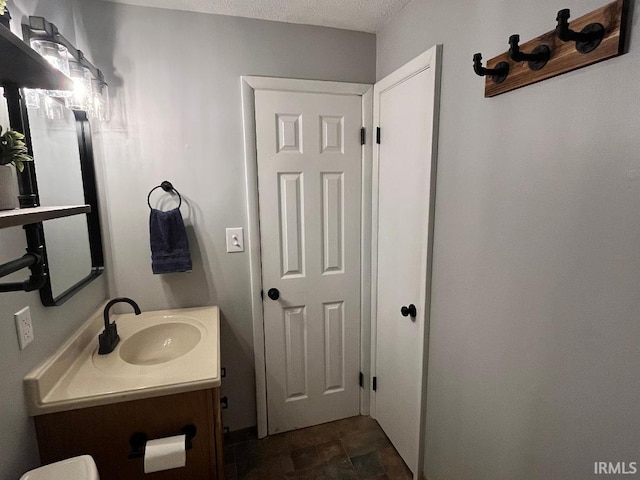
{"x":354,"y":448}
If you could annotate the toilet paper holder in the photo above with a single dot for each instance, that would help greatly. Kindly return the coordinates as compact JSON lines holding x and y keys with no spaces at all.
{"x":138,"y":440}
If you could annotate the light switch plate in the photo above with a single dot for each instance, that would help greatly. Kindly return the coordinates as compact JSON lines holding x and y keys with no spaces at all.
{"x":235,"y":240}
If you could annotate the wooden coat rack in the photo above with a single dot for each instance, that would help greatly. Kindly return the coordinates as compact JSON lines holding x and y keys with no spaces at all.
{"x":594,"y":37}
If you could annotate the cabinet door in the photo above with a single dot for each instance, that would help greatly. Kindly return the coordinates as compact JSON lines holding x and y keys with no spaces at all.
{"x":104,"y":432}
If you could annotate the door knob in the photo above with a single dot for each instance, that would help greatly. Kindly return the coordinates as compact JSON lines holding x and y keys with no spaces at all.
{"x":273,"y":293}
{"x":409,"y":311}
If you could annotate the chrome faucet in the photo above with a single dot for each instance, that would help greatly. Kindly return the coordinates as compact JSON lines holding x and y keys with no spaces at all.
{"x":109,"y":338}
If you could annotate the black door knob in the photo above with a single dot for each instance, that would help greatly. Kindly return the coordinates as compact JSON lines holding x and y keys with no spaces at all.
{"x":409,"y":311}
{"x":273,"y":293}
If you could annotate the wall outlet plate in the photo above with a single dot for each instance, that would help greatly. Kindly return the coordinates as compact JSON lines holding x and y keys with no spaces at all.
{"x":24,"y":327}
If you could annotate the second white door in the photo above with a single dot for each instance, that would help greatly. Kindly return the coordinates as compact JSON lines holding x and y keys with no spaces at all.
{"x":309,"y":187}
{"x":405,"y":108}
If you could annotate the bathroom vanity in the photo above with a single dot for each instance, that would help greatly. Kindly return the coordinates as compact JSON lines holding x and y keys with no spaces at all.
{"x":163,"y":376}
{"x":104,"y":432}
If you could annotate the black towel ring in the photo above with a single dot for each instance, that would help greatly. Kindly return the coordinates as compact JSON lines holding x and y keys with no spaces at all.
{"x":167,"y":187}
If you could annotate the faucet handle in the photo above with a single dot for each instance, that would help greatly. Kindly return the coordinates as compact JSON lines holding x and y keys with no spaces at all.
{"x":108,"y":340}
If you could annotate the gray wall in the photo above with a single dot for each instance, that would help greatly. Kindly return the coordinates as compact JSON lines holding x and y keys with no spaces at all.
{"x":52,"y":326}
{"x":175,"y":84}
{"x":533,"y":365}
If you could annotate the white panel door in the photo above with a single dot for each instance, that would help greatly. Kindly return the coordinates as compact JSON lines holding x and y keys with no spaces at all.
{"x":309,"y":184}
{"x":405,"y":112}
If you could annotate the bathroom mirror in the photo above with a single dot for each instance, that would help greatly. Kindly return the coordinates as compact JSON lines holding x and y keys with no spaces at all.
{"x":62,"y":173}
{"x":63,"y":161}
{"x":59,"y":174}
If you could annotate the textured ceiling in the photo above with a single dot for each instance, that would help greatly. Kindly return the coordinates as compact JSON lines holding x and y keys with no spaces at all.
{"x":360,"y":15}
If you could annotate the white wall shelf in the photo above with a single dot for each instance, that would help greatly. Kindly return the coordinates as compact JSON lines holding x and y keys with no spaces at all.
{"x":23,"y":216}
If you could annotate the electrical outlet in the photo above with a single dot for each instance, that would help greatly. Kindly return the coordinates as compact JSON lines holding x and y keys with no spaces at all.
{"x":24,"y":328}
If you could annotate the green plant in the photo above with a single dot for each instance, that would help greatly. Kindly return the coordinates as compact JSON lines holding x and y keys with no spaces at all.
{"x":13,"y":149}
{"x":3,"y":4}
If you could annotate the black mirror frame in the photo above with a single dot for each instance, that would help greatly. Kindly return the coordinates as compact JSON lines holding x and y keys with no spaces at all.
{"x":29,"y":197}
{"x":87,"y":166}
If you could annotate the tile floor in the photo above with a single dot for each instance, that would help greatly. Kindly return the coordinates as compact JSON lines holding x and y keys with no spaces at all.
{"x":353,"y":448}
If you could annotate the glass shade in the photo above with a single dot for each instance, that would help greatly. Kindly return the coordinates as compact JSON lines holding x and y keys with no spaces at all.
{"x":58,"y":56}
{"x":99,"y":100}
{"x":80,"y":98}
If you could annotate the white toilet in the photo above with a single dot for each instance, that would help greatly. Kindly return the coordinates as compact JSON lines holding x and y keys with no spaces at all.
{"x":76,"y":468}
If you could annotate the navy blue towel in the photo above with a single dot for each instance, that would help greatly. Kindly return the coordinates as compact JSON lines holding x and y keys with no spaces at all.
{"x":169,"y":244}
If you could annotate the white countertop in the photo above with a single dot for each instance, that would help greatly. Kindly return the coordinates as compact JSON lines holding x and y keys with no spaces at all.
{"x":77,"y":377}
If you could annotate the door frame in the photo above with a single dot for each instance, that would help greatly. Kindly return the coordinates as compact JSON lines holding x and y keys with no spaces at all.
{"x":249,"y":84}
{"x":430,"y":59}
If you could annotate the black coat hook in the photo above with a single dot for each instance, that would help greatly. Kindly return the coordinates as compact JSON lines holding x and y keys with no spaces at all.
{"x":587,"y":40}
{"x":498,"y":74}
{"x":537,"y":59}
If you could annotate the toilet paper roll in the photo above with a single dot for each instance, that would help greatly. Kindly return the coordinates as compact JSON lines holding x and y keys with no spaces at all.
{"x":164,"y":454}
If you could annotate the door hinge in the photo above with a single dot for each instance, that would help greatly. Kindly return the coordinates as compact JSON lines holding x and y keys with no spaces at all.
{"x":361,"y":379}
{"x":375,"y":383}
{"x":378,"y":135}
{"x":262,"y":294}
{"x":224,"y":402}
{"x":363,"y":136}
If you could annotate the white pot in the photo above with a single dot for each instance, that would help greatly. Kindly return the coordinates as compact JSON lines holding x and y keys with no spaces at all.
{"x":8,"y":188}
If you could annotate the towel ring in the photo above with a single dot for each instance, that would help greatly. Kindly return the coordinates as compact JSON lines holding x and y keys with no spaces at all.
{"x":167,"y":187}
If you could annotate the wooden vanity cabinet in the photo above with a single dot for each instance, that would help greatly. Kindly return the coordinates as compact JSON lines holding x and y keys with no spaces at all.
{"x":104,"y":432}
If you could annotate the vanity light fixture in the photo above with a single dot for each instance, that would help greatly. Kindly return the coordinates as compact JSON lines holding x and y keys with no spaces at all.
{"x":90,"y":93}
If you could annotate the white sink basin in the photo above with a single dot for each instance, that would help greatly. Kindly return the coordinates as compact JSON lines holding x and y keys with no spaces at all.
{"x":160,"y":343}
{"x":159,"y":353}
